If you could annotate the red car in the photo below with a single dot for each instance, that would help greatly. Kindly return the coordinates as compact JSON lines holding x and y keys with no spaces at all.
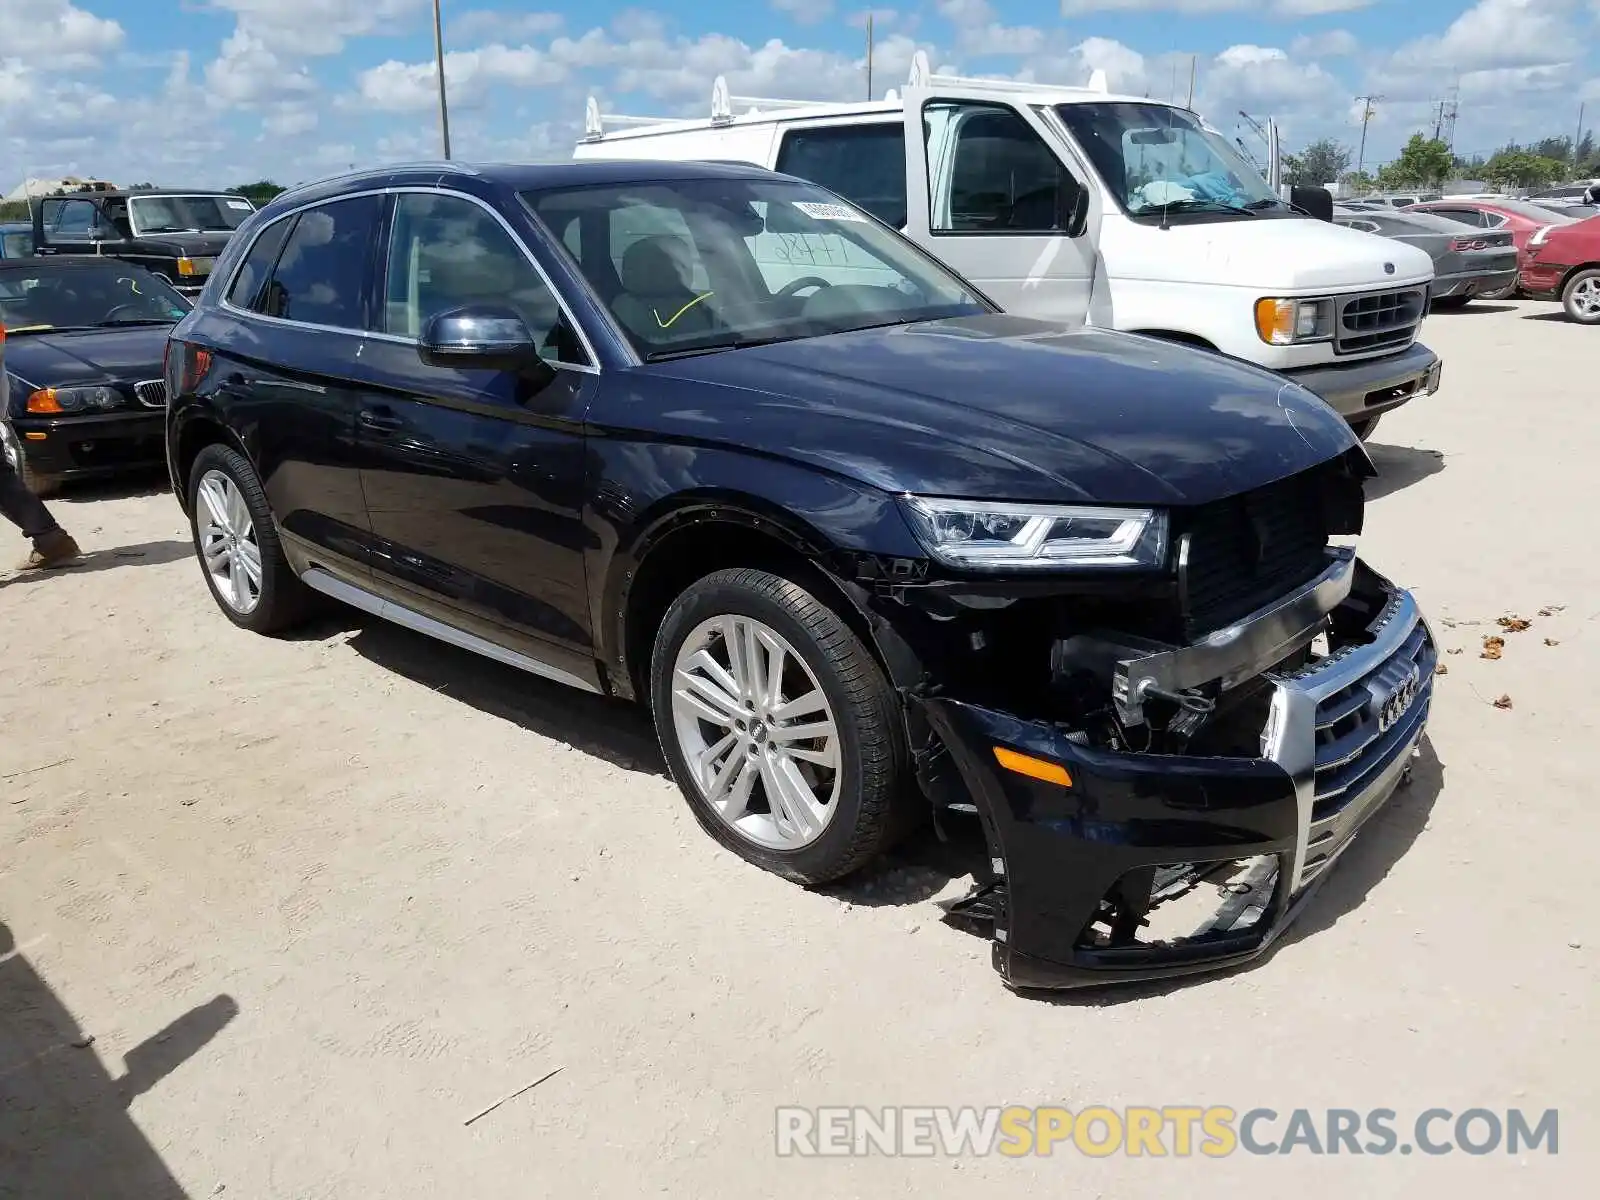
{"x":1521,"y":217}
{"x":1564,"y":263}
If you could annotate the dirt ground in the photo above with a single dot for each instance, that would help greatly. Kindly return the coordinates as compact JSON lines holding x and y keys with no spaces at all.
{"x":317,"y":902}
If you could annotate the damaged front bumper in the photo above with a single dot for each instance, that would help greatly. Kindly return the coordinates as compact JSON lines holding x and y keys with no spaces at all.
{"x":1091,"y":880}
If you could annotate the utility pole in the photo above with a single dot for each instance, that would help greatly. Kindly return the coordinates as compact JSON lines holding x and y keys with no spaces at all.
{"x":1576,"y":138}
{"x":1366,"y":115}
{"x":1194,"y":61}
{"x":869,"y":56}
{"x":438,"y":55}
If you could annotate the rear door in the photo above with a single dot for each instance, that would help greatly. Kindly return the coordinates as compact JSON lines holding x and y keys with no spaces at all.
{"x":289,"y":371}
{"x":991,"y":197}
{"x":474,"y":481}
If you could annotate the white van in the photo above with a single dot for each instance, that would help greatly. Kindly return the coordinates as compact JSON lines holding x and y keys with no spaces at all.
{"x":1079,"y":205}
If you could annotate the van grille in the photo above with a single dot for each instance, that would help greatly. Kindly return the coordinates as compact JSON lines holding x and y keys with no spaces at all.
{"x":1378,"y":321}
{"x":1248,"y":550}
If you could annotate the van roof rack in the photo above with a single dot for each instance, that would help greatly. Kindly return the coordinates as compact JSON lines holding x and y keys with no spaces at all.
{"x":723,"y":104}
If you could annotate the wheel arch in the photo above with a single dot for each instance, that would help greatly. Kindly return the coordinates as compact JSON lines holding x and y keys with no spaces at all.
{"x":200,"y":428}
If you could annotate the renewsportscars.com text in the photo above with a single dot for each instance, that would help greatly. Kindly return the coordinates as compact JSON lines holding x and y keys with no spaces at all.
{"x":1178,"y":1131}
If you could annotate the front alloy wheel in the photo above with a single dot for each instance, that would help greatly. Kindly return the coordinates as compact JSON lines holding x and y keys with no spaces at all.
{"x":778,"y":725}
{"x":1581,"y":297}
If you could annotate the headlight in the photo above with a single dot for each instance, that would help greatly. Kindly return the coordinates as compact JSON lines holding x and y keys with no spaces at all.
{"x":1540,"y":234}
{"x":72,"y":399}
{"x":1290,"y":322}
{"x":990,"y":536}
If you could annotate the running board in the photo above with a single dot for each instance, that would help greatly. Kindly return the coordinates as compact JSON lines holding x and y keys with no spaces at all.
{"x":347,"y":593}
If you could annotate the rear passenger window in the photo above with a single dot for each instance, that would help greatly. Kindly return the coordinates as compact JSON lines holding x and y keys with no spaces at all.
{"x":865,"y":164}
{"x":446,"y":252}
{"x":321,"y":275}
{"x":247,"y":284}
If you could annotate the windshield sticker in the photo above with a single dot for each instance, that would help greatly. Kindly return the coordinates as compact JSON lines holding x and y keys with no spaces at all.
{"x":828,"y":212}
{"x":239,"y":205}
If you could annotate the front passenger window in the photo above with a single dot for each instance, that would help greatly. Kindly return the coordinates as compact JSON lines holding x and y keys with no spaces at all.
{"x":446,"y":252}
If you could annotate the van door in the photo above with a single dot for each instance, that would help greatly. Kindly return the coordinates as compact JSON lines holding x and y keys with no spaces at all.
{"x":992,"y":199}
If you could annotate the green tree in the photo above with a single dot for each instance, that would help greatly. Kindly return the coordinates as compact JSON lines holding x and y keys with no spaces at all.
{"x":1424,"y":162}
{"x":1358,"y":181}
{"x":259,"y":192}
{"x":1318,"y":165}
{"x":1512,"y":167}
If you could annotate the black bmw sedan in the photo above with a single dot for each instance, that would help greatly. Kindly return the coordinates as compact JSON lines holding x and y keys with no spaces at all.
{"x":84,"y":344}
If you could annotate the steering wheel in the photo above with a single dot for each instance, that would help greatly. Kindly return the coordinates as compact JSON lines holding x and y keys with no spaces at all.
{"x":112,"y":315}
{"x":796,"y":285}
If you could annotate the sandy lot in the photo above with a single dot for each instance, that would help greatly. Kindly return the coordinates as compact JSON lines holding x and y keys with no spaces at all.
{"x":319,"y":901}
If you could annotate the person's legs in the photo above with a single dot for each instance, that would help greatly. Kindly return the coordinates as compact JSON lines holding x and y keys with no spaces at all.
{"x":51,"y":545}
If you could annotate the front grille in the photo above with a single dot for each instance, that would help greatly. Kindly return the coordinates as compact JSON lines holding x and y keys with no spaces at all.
{"x":1378,"y":321}
{"x":152,"y":393}
{"x":1353,"y":749}
{"x":1246,"y":551}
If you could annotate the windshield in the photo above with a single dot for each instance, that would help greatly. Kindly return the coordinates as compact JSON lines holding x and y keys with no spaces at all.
{"x":187,"y":214}
{"x":1153,"y":157}
{"x":82,"y":295}
{"x":687,"y":266}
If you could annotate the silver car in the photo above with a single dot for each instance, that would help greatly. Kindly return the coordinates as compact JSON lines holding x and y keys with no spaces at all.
{"x":1468,"y":263}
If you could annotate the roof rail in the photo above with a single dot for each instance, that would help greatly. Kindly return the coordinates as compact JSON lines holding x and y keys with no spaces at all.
{"x":444,"y":166}
{"x":723,"y":104}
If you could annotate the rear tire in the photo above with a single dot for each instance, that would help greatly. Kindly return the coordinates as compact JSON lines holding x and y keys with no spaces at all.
{"x":726,"y":749}
{"x":1505,"y":293}
{"x":237,"y":545}
{"x":1581,"y":297}
{"x":1363,"y":428}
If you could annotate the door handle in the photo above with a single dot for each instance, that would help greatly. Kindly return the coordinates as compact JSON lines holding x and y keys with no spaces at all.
{"x":381,"y":419}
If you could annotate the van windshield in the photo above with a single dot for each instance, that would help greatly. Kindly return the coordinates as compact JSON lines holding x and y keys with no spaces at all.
{"x":1155,"y":158}
{"x":697,"y":265}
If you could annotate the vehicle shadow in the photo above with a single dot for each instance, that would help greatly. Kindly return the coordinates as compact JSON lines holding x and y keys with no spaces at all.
{"x":1382,"y":843}
{"x":1559,"y":314}
{"x":131,"y":486}
{"x":1399,"y":467}
{"x":1484,"y":307}
{"x":920,"y":867}
{"x":144,"y":554}
{"x":618,"y":732}
{"x":65,"y":1129}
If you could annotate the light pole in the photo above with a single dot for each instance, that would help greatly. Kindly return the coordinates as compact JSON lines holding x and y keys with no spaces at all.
{"x":438,"y":55}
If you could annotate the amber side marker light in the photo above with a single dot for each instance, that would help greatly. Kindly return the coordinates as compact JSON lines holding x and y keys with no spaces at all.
{"x":1033,"y":768}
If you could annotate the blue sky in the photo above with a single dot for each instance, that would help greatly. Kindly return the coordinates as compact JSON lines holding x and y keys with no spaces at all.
{"x":226,"y":91}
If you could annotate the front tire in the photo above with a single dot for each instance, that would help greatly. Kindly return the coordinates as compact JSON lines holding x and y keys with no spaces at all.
{"x":778,"y":725}
{"x":41,"y":485}
{"x":237,"y":544}
{"x":1581,"y":297}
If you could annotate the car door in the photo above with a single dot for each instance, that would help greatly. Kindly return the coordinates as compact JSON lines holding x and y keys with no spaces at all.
{"x":991,"y":197}
{"x":288,"y":369}
{"x":474,"y":479}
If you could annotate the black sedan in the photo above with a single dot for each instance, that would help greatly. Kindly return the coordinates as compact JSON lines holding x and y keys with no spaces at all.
{"x":85,"y":340}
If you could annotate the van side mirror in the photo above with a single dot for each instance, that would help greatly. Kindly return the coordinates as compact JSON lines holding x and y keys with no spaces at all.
{"x":1315,"y":200}
{"x":482,"y":338}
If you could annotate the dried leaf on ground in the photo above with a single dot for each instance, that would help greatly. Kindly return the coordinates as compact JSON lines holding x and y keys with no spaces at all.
{"x":1457,"y":650}
{"x":1550,"y":610}
{"x":1492,"y":646}
{"x":1514,"y":624}
{"x":1551,"y":642}
{"x":1441,"y":669}
{"x":1503,"y":702}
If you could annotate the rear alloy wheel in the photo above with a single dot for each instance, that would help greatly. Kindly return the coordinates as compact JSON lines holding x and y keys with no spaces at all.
{"x":43,"y":486}
{"x":778,"y":725}
{"x":237,"y":544}
{"x":1581,"y":297}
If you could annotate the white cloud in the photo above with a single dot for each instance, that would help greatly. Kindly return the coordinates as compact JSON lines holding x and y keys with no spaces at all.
{"x":67,"y":36}
{"x":1280,"y":8}
{"x":805,"y":12}
{"x":315,"y":28}
{"x":494,"y":25}
{"x":1493,"y":34}
{"x":1333,"y":43}
{"x":413,"y":87}
{"x":246,"y":73}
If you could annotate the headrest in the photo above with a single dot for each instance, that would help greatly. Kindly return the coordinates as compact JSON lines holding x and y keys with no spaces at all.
{"x":656,"y":266}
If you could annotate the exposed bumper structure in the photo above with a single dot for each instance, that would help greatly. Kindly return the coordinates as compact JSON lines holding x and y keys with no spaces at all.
{"x":1082,"y":872}
{"x":1364,"y":389}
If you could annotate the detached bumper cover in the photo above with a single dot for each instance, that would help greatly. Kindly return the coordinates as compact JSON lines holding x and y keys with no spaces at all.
{"x":1363,"y":389}
{"x":1339,"y":737}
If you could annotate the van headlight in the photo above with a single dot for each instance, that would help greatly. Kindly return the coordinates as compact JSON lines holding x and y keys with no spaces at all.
{"x":1291,"y":322}
{"x":998,"y":536}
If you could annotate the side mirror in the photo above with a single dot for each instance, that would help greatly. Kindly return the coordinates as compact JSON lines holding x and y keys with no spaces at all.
{"x":482,"y":338}
{"x":1315,"y":200}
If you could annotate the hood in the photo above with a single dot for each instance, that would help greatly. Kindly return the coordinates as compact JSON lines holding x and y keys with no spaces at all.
{"x":1271,"y":254}
{"x":1005,"y":407}
{"x":98,"y":356}
{"x":195,"y":245}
